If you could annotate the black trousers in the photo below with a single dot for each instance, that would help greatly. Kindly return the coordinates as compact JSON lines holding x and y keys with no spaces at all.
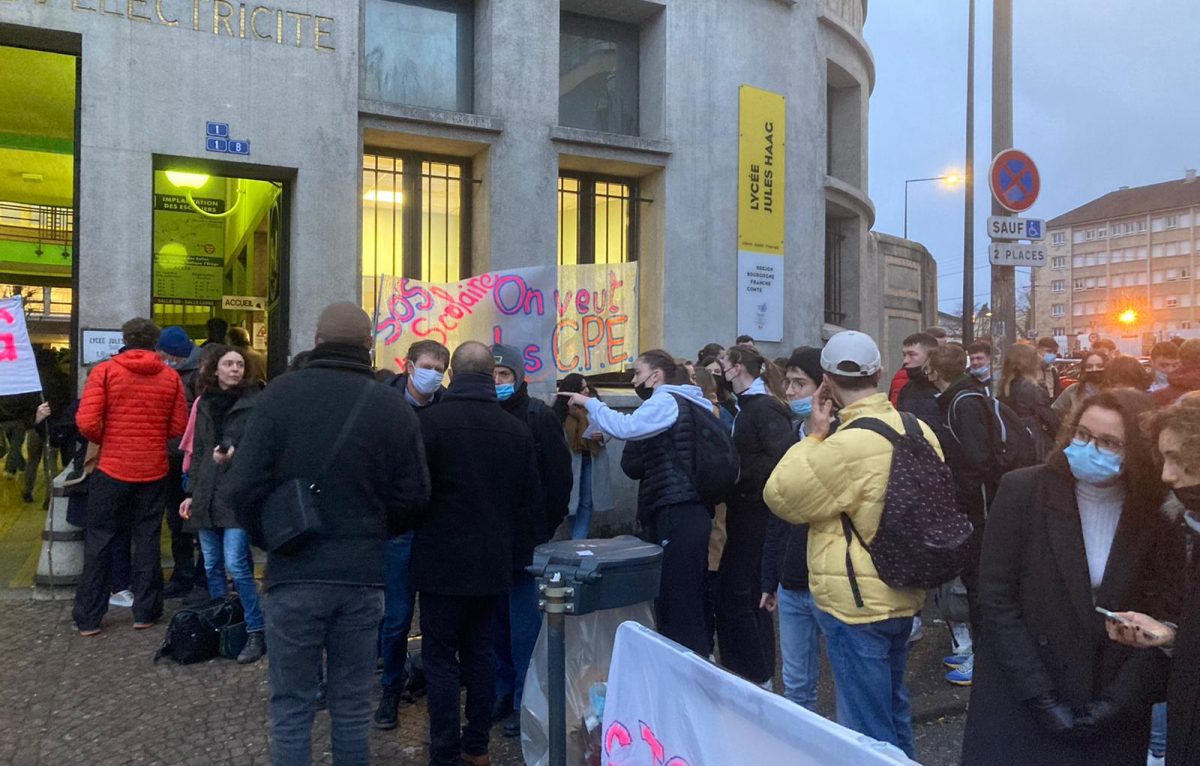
{"x":745,"y":633}
{"x":185,"y":548}
{"x":113,"y":506}
{"x":683,"y":531}
{"x":456,"y":647}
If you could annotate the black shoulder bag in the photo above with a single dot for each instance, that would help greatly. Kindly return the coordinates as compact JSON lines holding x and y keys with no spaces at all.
{"x":291,"y":515}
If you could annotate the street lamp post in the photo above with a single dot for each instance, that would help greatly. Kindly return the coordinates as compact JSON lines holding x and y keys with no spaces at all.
{"x":951,"y":178}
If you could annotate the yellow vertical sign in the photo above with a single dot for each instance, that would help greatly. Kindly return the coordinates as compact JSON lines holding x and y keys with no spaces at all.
{"x":762,"y":138}
{"x":762,"y":142}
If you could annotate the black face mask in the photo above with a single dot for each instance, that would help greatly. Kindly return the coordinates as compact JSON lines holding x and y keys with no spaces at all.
{"x":1091,"y":376}
{"x":643,"y":391}
{"x":1189,"y":496}
{"x":918,"y":374}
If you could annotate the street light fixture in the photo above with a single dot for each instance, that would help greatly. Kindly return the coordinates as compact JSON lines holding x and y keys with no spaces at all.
{"x":951,"y":179}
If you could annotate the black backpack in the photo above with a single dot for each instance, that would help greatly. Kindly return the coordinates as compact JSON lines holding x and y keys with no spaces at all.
{"x":922,"y":537}
{"x":194,"y":633}
{"x":1013,"y":442}
{"x":715,"y":466}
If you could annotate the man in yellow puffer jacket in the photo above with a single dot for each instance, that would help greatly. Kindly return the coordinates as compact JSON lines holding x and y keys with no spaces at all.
{"x":819,"y":479}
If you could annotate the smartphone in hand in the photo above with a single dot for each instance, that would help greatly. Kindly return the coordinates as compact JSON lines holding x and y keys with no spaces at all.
{"x":1125,"y":621}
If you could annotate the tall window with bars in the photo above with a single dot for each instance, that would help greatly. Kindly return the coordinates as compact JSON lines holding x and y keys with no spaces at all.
{"x":597,"y":219}
{"x":415,"y":219}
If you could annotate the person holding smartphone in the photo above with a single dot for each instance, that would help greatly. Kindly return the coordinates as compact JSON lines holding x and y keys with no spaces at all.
{"x":1175,"y":432}
{"x":221,"y":414}
{"x":1062,"y":538}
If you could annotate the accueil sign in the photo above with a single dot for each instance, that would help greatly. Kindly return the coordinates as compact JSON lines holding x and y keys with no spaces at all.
{"x":246,"y":21}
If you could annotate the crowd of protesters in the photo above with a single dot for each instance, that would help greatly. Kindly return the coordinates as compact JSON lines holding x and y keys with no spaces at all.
{"x":1070,"y":611}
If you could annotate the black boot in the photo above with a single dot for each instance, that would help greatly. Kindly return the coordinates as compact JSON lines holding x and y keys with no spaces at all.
{"x":255,"y":648}
{"x":385,"y":714}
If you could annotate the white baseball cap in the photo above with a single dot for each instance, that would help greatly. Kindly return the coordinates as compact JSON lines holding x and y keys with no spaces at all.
{"x":852,"y":354}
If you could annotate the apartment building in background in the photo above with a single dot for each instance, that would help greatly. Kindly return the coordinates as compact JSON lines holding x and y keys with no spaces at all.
{"x":1123,"y":267}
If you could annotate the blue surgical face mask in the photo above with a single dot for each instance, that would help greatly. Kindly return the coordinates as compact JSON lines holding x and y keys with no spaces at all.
{"x":504,"y":391}
{"x":801,"y":408}
{"x":981,"y":373}
{"x":1049,"y":358}
{"x":1092,"y":465}
{"x":426,"y":381}
{"x":1160,"y":378}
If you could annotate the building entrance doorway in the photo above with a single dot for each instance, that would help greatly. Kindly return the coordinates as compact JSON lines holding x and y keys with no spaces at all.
{"x":219,"y":254}
{"x":38,"y":109}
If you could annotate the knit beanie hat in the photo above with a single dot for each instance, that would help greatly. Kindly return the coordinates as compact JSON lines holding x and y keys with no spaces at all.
{"x":808,"y":359}
{"x":174,"y":341}
{"x":510,"y":357}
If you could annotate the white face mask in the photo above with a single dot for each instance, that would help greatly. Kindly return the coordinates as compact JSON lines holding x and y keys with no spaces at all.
{"x":426,"y":381}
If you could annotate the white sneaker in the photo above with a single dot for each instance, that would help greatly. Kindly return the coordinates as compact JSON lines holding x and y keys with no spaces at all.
{"x":1155,"y":760}
{"x":769,"y":685}
{"x":121,"y":598}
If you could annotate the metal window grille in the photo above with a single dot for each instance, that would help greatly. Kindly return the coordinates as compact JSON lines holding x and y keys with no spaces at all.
{"x":415,"y":219}
{"x":597,"y":220}
{"x":834,"y":313}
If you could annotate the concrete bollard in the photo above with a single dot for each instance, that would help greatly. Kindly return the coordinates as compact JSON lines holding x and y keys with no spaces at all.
{"x":61,"y":561}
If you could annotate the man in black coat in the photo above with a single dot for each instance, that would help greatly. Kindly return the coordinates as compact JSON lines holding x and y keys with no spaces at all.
{"x":425,"y":367}
{"x":327,"y":596}
{"x":479,"y":529}
{"x":918,"y":395}
{"x":966,"y":437}
{"x":517,"y":616}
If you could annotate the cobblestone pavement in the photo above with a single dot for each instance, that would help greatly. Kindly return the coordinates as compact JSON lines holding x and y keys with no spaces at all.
{"x":102,"y":702}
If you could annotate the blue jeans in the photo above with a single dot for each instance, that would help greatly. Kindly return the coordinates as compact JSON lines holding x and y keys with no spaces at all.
{"x":398,"y":604}
{"x":1158,"y":730}
{"x":514,"y":635}
{"x":228,"y":550}
{"x":800,"y":642}
{"x":868,"y":672}
{"x":303,"y":620}
{"x":583,"y":511}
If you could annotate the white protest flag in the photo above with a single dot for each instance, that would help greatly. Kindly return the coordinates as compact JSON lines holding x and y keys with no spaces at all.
{"x":666,"y":706}
{"x":18,"y":369}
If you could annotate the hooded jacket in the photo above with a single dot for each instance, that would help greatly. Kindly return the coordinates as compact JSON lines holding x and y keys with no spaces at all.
{"x":968,"y":447}
{"x":132,"y":404}
{"x":845,"y":472}
{"x":553,"y":455}
{"x":656,"y":437}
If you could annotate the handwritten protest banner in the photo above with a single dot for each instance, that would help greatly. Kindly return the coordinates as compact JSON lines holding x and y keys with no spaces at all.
{"x":564,"y":319}
{"x":18,"y":369}
{"x":725,"y":720}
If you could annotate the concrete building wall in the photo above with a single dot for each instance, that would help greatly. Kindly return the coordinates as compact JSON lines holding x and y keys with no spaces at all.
{"x":909,"y":287}
{"x":149,"y":85}
{"x":149,"y":82}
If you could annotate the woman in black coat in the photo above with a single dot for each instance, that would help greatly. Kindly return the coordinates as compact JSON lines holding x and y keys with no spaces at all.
{"x":762,"y":433}
{"x":1175,"y":430}
{"x":1021,"y":389}
{"x":1080,"y":532}
{"x":221,"y":414}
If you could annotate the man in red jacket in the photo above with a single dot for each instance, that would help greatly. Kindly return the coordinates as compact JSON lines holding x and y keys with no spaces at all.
{"x":131,"y":405}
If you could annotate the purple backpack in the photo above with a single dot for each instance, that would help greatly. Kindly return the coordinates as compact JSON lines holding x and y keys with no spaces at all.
{"x":922,"y":537}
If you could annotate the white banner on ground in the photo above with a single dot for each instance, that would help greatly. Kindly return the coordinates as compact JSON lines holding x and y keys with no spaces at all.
{"x":667,"y":706}
{"x":18,"y":369}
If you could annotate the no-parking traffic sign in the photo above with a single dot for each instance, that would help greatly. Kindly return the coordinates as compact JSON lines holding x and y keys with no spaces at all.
{"x":1014,"y":180}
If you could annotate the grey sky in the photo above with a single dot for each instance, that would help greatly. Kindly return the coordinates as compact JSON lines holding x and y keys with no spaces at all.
{"x":1104,"y":96}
